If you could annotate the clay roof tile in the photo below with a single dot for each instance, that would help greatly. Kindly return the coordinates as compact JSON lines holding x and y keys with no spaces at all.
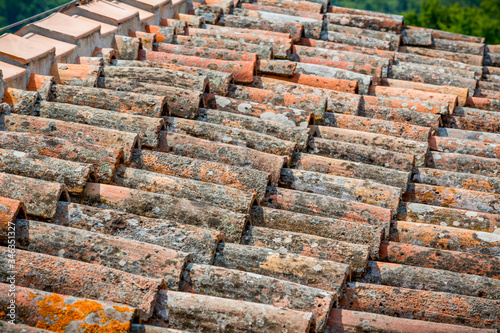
{"x":189,"y":146}
{"x":259,"y":289}
{"x":217,"y":195}
{"x":421,"y":278}
{"x":237,"y":177}
{"x":357,"y":151}
{"x":471,"y":59}
{"x":421,"y":304}
{"x":39,"y":197}
{"x":10,"y":210}
{"x":147,"y":127}
{"x":206,"y":313}
{"x":340,"y":102}
{"x":336,"y":229}
{"x":460,"y":262}
{"x":134,"y":257}
{"x":355,"y":255}
{"x":73,"y":174}
{"x":242,"y":71}
{"x":310,"y":103}
{"x":236,"y":136}
{"x":229,"y":223}
{"x":79,"y":279}
{"x":198,"y":241}
{"x":327,"y":206}
{"x":35,"y":304}
{"x":76,"y":132}
{"x":444,"y":237}
{"x":264,"y":52}
{"x":366,"y":191}
{"x":346,"y":319}
{"x":340,"y":167}
{"x":104,"y":160}
{"x":287,"y":116}
{"x":218,"y":82}
{"x":306,"y":6}
{"x":328,"y":275}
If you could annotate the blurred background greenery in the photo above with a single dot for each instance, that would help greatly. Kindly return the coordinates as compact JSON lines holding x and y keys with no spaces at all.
{"x":12,"y":11}
{"x":470,"y":17}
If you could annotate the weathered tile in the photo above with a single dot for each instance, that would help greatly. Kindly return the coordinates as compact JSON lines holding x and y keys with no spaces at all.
{"x":40,"y":197}
{"x":489,"y":167}
{"x":327,"y":206}
{"x":444,"y":216}
{"x":311,"y":272}
{"x":243,"y":286}
{"x":423,"y":305}
{"x":242,"y":71}
{"x":358,"y":152}
{"x":446,"y":238}
{"x":218,"y":82}
{"x":340,"y":230}
{"x":298,"y":135}
{"x":385,"y":127}
{"x":456,"y":179}
{"x":365,"y":191}
{"x":126,"y":102}
{"x":66,"y":311}
{"x":240,"y":137}
{"x":82,"y":134}
{"x":119,"y":253}
{"x":416,"y":149}
{"x":230,"y":224}
{"x":147,"y":127}
{"x":285,"y":115}
{"x":80,"y":279}
{"x":264,"y":52}
{"x":475,"y":60}
{"x":21,"y":101}
{"x":190,"y":146}
{"x":72,"y":174}
{"x":205,"y":52}
{"x":453,"y":198}
{"x":244,"y":179}
{"x":213,"y":194}
{"x":105,"y":160}
{"x":207,"y":313}
{"x":199,"y":242}
{"x":350,"y":321}
{"x":10,"y":210}
{"x":338,"y":167}
{"x":354,"y":255}
{"x":460,"y":262}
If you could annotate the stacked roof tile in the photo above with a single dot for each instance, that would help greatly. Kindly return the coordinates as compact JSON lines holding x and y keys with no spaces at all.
{"x":227,"y":166}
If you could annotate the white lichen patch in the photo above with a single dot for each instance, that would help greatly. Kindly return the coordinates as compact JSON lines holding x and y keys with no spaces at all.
{"x":488,"y":237}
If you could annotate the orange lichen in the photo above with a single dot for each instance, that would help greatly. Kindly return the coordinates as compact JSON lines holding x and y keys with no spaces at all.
{"x":57,"y":315}
{"x":113,"y":326}
{"x":474,"y":184}
{"x":122,"y":308}
{"x":2,"y":314}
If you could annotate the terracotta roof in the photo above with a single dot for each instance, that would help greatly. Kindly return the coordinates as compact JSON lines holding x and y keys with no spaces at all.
{"x":176,"y":166}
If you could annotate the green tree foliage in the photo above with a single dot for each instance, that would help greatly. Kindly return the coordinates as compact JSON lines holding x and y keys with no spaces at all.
{"x":387,"y":6}
{"x":482,"y":20}
{"x":12,"y":11}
